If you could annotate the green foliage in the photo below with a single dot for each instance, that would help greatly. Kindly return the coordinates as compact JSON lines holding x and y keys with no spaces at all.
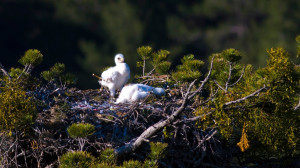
{"x":21,"y":79}
{"x":224,"y":62}
{"x":267,"y":123}
{"x":108,"y":156}
{"x":105,"y":165}
{"x":157,"y":59}
{"x":167,"y":133}
{"x":278,"y":103}
{"x":131,"y":164}
{"x":56,"y":74}
{"x":31,"y":57}
{"x":68,"y":78}
{"x":81,"y":130}
{"x":17,"y":110}
{"x":189,"y":70}
{"x":150,"y":164}
{"x":108,"y":159}
{"x":158,"y":150}
{"x":15,"y":72}
{"x":160,"y":63}
{"x":129,"y":23}
{"x":77,"y":159}
{"x":144,"y":52}
{"x":231,"y":55}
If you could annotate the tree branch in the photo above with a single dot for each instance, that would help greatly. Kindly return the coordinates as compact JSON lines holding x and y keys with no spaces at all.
{"x":246,"y":97}
{"x":5,"y":72}
{"x":204,"y":81}
{"x":220,"y":86}
{"x":242,"y":74}
{"x":229,"y":76}
{"x":298,"y":106}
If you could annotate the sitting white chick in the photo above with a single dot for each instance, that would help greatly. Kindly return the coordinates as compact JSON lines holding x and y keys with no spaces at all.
{"x":135,"y":92}
{"x":116,"y":77}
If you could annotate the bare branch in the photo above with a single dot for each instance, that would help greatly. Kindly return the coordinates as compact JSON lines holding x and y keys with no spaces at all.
{"x":208,"y":136}
{"x":144,"y":66}
{"x":242,"y":74}
{"x":298,"y":106}
{"x":205,"y":80}
{"x":5,"y":72}
{"x":199,"y":117}
{"x":220,"y":86}
{"x":149,"y":73}
{"x":246,"y":97}
{"x":229,"y":76}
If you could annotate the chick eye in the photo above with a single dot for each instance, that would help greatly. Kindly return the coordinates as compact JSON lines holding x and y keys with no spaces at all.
{"x":119,"y":58}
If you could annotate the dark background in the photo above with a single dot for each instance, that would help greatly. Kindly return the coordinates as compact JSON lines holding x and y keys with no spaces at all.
{"x":86,"y":34}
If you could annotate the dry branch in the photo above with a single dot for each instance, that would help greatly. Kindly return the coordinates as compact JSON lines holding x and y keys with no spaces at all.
{"x":246,"y":97}
{"x":5,"y":72}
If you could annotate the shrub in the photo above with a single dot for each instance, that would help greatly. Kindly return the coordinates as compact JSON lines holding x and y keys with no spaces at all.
{"x":17,"y":110}
{"x":231,"y":55}
{"x":132,"y":164}
{"x":267,"y":123}
{"x":157,"y":150}
{"x":22,"y":76}
{"x":32,"y":57}
{"x":81,"y":130}
{"x":106,"y":165}
{"x":108,"y":156}
{"x":77,"y":159}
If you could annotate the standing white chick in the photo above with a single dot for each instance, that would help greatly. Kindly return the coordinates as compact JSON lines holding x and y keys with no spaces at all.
{"x":134,"y":92}
{"x":116,"y":77}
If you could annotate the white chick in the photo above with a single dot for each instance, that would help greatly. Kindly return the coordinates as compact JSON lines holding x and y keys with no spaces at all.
{"x":116,"y":77}
{"x":135,"y":92}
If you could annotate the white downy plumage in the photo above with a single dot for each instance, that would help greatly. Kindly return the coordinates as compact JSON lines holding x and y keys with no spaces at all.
{"x":116,"y":77}
{"x":134,"y":92}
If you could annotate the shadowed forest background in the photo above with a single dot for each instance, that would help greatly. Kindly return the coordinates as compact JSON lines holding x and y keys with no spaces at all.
{"x":86,"y":34}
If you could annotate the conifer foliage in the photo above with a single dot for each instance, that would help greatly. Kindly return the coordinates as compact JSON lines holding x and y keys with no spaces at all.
{"x":189,"y":70}
{"x":230,"y":110}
